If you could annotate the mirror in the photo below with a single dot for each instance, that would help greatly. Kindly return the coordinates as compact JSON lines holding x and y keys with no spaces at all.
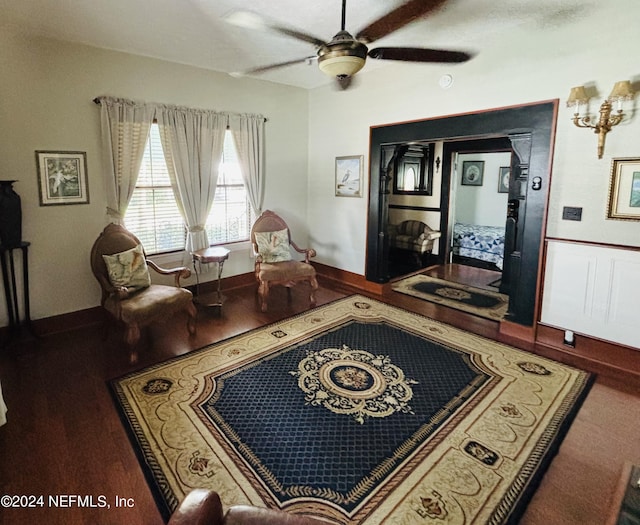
{"x":414,"y":171}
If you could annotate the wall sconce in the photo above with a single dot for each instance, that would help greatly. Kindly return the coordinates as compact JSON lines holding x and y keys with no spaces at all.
{"x":621,"y":91}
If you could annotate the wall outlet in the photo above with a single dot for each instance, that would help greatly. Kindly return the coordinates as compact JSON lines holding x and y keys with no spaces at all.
{"x":569,"y":338}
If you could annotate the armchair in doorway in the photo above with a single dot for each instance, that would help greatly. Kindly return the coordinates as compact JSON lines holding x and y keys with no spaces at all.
{"x":413,"y":236}
{"x":274,"y":265}
{"x":120,"y":265}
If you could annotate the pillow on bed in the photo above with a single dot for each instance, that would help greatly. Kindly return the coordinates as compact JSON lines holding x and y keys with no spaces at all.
{"x":274,"y":246}
{"x":128,"y":268}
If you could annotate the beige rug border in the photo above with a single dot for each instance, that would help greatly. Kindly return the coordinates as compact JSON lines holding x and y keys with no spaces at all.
{"x":538,"y":399}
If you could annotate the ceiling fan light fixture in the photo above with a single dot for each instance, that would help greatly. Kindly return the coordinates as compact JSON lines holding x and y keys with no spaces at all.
{"x":342,"y":57}
{"x":341,"y":66}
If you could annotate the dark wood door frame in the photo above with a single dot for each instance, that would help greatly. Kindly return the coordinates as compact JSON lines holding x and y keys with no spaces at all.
{"x":536,"y":121}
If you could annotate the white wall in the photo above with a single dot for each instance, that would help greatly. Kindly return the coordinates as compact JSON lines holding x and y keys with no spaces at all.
{"x":481,"y":205}
{"x":46,"y":103}
{"x":508,"y":71}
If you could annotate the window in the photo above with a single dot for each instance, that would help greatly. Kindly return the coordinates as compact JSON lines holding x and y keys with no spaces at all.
{"x":153,"y":214}
{"x":230,"y":216}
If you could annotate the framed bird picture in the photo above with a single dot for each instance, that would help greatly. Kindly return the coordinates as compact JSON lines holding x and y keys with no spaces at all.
{"x":349,"y":176}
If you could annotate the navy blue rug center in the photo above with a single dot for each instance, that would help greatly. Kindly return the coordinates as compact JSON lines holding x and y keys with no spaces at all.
{"x":335,"y":415}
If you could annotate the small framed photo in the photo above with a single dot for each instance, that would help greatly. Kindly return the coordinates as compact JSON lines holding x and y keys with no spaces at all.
{"x":472,"y":172}
{"x":624,"y":189}
{"x":62,"y":177}
{"x":504,"y":173}
{"x":349,"y":176}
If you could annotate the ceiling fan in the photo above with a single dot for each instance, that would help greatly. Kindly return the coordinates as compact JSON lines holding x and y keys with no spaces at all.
{"x":344,"y":55}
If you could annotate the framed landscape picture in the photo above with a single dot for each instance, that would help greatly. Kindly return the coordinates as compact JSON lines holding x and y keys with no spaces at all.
{"x":624,"y":189}
{"x":62,"y":177}
{"x":472,"y":172}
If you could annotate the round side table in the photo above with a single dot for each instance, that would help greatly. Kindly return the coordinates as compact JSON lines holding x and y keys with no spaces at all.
{"x":217,"y":255}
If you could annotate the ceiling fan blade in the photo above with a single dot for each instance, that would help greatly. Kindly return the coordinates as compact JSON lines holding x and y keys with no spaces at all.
{"x":419,"y":54}
{"x":250,"y":20}
{"x":399,"y":17}
{"x":262,"y":69}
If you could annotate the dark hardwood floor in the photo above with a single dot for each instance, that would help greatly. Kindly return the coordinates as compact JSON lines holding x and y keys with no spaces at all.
{"x":64,"y":436}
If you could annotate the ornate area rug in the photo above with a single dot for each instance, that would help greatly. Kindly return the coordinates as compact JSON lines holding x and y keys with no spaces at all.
{"x":485,"y":303}
{"x":356,"y":412}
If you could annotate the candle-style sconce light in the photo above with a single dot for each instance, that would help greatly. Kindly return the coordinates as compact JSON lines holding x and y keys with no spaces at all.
{"x":578,"y":98}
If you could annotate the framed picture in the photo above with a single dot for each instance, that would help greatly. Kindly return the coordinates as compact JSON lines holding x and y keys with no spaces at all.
{"x":624,"y":189}
{"x":504,"y":173}
{"x":472,"y":172}
{"x":349,"y":176}
{"x":62,"y":177}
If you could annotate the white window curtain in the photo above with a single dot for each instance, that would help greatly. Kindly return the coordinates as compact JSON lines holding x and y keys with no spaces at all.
{"x":125,"y":128}
{"x":193,"y":142}
{"x":248,"y":133}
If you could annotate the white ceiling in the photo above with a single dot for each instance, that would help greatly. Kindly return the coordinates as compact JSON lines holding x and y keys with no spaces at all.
{"x":194,"y":31}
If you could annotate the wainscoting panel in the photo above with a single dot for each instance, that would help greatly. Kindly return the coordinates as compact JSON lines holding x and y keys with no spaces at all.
{"x":592,"y":290}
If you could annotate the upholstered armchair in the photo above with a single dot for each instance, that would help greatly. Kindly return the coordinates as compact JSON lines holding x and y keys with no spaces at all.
{"x":274,"y":265}
{"x":203,"y":507}
{"x":413,"y":236}
{"x":120,"y":265}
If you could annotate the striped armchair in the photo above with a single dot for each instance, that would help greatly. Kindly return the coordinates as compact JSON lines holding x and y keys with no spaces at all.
{"x":414,"y":236}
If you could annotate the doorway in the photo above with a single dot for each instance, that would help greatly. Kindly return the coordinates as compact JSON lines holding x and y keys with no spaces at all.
{"x":529,"y":130}
{"x":475,"y":215}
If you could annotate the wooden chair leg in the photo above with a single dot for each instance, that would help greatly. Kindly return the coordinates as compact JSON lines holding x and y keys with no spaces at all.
{"x":133,"y":334}
{"x":192,"y":320}
{"x":263,"y":292}
{"x":314,"y":287}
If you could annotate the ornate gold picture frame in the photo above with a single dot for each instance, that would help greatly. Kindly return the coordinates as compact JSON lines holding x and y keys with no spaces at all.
{"x":624,"y":189}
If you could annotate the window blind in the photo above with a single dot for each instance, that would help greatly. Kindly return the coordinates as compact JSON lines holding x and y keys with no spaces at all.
{"x":153,"y":214}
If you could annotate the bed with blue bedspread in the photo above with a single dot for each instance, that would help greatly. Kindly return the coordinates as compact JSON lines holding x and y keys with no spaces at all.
{"x":485,"y":243}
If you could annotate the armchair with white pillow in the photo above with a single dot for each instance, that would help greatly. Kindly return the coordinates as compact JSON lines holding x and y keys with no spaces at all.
{"x":120,"y":265}
{"x":274,"y":265}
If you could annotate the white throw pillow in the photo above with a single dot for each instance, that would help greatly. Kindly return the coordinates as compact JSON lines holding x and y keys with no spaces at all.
{"x":128,"y":268}
{"x":274,"y":246}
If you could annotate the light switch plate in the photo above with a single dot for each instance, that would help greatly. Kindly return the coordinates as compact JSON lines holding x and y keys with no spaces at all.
{"x":570,"y":213}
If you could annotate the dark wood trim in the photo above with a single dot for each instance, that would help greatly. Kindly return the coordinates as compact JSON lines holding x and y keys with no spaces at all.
{"x":420,"y":208}
{"x":69,"y":321}
{"x":519,"y":331}
{"x":498,"y":108}
{"x":618,"y":362}
{"x":343,"y":278}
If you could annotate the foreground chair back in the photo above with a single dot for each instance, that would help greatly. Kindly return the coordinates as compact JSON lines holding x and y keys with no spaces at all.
{"x":120,"y":265}
{"x":271,"y":240}
{"x":203,"y":507}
